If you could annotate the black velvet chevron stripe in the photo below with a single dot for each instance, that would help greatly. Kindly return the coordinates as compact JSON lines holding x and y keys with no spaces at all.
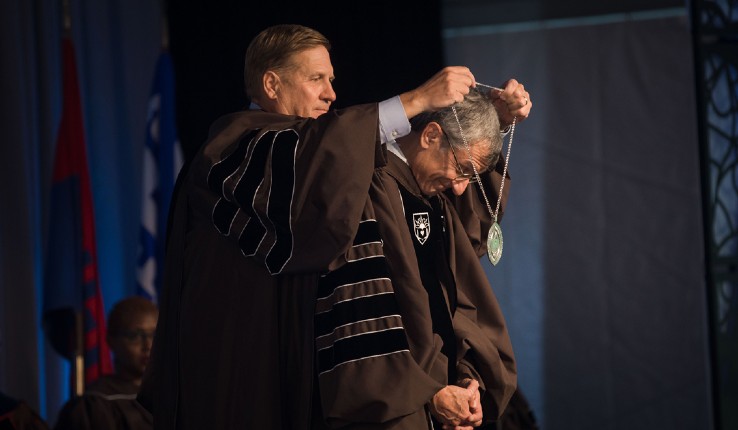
{"x":253,"y":234}
{"x":352,"y":273}
{"x":362,"y":346}
{"x":359,"y":309}
{"x":253,"y":175}
{"x":280,"y":198}
{"x":227,"y":166}
{"x":223,"y":214}
{"x":368,"y":232}
{"x":251,"y":237}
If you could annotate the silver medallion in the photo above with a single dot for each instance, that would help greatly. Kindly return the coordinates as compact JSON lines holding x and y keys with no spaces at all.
{"x":494,"y":244}
{"x":494,"y":238}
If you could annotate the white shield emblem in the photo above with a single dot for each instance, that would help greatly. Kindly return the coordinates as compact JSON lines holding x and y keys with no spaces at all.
{"x":421,"y":224}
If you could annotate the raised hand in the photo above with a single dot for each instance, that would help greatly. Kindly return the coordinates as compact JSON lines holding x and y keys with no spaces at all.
{"x":445,"y":88}
{"x":512,"y":102}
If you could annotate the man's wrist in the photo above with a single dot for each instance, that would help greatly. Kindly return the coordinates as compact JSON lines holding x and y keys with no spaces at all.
{"x":393,"y":122}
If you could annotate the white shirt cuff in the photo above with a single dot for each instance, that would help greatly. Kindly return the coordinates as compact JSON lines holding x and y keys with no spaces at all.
{"x":393,"y":122}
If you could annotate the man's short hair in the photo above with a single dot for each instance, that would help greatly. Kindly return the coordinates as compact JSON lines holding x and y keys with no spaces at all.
{"x":273,"y":48}
{"x":128,"y":310}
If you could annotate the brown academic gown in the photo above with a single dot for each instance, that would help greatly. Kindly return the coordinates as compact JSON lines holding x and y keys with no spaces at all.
{"x":16,"y":414}
{"x":287,"y":260}
{"x":108,"y":403}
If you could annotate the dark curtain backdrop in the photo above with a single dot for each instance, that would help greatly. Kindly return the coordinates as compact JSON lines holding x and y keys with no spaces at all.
{"x":601,"y":280}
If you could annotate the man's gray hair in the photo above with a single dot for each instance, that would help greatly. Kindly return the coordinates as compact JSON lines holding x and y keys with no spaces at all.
{"x":478,"y":119}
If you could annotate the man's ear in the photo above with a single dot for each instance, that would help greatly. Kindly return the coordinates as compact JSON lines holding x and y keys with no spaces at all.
{"x":432,"y":135}
{"x":270,"y":82}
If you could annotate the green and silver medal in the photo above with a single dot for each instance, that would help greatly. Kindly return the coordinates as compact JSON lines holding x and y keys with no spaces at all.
{"x":494,"y":243}
{"x":494,"y":237}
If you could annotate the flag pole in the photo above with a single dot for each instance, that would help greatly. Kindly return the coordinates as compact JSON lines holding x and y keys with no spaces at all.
{"x":78,"y":365}
{"x":79,"y":357}
{"x":66,"y":18}
{"x":164,"y":26}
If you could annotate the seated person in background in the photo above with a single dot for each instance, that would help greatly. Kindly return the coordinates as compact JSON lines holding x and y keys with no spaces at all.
{"x":110,"y":402}
{"x":17,"y":415}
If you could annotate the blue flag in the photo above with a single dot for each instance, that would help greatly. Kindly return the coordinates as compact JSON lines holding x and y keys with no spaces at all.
{"x":161,"y":164}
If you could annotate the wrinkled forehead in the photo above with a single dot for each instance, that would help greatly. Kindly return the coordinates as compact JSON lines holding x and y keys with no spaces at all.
{"x":310,"y":61}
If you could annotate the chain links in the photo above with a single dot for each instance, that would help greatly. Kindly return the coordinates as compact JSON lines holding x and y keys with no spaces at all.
{"x":474,"y":167}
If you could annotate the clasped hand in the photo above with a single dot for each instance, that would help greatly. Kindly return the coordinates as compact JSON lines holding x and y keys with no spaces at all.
{"x":458,"y":407}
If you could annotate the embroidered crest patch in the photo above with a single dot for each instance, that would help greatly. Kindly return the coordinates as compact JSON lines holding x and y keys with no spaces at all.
{"x":421,"y":226}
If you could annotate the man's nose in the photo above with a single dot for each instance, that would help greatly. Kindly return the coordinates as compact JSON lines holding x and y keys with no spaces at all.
{"x":328,"y":93}
{"x":460,"y":186}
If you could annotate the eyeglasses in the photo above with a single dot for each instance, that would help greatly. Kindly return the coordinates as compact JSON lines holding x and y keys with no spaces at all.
{"x":461,"y":175}
{"x":137,"y":336}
